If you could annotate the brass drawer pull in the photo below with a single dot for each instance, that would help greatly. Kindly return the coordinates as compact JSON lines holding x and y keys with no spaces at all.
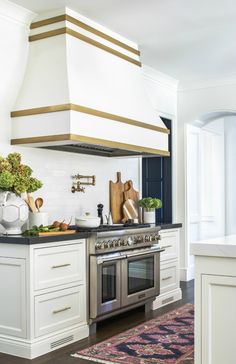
{"x":61,"y":310}
{"x":166,"y":278}
{"x":61,"y":265}
{"x":166,"y":246}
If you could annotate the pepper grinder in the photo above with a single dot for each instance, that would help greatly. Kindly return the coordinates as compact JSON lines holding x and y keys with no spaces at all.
{"x":100,"y":212}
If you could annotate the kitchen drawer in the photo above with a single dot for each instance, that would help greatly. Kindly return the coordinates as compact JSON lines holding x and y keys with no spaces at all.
{"x":169,"y":277}
{"x":59,"y":310}
{"x":59,"y":265}
{"x":169,"y":241}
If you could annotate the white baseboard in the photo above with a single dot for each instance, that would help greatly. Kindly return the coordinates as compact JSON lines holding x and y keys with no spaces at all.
{"x":167,"y":298}
{"x":30,"y":350}
{"x":187,"y":274}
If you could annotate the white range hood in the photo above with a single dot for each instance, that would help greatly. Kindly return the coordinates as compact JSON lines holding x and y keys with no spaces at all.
{"x":83,"y":92}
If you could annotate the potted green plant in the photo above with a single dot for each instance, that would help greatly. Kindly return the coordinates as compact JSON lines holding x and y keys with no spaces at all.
{"x":149,"y":205}
{"x":15,"y":179}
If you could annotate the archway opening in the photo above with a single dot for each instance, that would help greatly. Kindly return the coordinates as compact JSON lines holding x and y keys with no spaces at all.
{"x":211,"y":177}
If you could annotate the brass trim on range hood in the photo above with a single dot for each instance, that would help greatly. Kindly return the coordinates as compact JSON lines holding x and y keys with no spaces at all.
{"x":90,"y":140}
{"x":87,"y":110}
{"x":69,"y":18}
{"x":73,"y":33}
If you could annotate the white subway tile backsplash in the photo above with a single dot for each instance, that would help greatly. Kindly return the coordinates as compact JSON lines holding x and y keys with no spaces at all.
{"x":55,"y":170}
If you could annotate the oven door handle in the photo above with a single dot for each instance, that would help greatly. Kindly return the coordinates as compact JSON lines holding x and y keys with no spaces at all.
{"x":154,"y":251}
{"x":112,"y":259}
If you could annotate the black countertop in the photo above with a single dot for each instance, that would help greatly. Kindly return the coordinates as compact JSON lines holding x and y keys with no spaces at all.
{"x":169,"y":225}
{"x":30,"y":240}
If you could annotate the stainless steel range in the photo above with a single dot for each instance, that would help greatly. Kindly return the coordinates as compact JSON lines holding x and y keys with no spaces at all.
{"x":124,"y":268}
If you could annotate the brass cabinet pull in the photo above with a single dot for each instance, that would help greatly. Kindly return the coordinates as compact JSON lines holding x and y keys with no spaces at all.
{"x":61,"y":265}
{"x":61,"y":310}
{"x":166,"y":278}
{"x":166,"y":246}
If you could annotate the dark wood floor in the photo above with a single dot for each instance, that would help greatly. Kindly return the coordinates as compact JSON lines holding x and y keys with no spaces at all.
{"x":105,"y":330}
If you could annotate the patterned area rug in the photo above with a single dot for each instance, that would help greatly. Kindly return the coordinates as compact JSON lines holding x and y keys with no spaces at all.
{"x":167,"y":339}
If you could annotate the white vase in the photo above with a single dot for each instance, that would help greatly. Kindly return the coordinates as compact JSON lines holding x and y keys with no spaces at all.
{"x":149,"y":217}
{"x":14,"y":212}
{"x":37,"y":219}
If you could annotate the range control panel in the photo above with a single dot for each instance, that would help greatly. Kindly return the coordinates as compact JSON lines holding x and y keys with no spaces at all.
{"x":126,"y":242}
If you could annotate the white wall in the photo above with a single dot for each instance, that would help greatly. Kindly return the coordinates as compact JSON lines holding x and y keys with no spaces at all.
{"x":230,"y":174}
{"x":55,"y":168}
{"x":194,"y":103}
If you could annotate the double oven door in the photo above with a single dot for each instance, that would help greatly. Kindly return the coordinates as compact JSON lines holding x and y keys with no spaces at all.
{"x":123,"y":279}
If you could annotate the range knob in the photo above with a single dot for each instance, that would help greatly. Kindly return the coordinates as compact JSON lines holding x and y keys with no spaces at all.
{"x":139,"y":239}
{"x":147,"y":238}
{"x":157,"y":237}
{"x":98,"y":246}
{"x":135,"y":238}
{"x":105,"y":244}
{"x":115,"y":243}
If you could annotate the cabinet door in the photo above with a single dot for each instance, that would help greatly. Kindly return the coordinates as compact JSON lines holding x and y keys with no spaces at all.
{"x":218,"y":319}
{"x":13,"y":297}
{"x":157,"y":179}
{"x":169,"y":278}
{"x":58,"y":310}
{"x":169,"y":242}
{"x":54,"y":266}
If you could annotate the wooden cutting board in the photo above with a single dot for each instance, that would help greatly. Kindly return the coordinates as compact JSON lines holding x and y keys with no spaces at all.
{"x":67,"y":232}
{"x":130,"y":210}
{"x":117,"y":199}
{"x":130,"y":192}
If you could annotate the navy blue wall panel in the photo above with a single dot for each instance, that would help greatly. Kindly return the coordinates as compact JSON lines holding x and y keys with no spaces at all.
{"x":157,"y":181}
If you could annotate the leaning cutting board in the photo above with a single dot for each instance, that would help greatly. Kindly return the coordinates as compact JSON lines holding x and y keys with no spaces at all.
{"x":117,"y":199}
{"x":51,"y":233}
{"x":130,"y":192}
{"x":131,"y":211}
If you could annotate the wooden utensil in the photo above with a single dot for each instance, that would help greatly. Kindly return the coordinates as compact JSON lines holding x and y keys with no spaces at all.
{"x":31,"y":204}
{"x":130,"y":192}
{"x":130,"y":210}
{"x":117,"y":199}
{"x":39,"y":203}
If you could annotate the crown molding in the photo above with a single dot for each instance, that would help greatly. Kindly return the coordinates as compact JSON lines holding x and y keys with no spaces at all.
{"x":16,"y":13}
{"x":208,"y":83}
{"x":160,"y":78}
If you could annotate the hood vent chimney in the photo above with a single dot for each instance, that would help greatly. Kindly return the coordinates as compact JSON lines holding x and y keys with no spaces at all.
{"x":83,"y":92}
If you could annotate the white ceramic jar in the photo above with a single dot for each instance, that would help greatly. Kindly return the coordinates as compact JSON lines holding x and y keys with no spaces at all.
{"x":14,"y":212}
{"x":149,"y":216}
{"x":37,"y":219}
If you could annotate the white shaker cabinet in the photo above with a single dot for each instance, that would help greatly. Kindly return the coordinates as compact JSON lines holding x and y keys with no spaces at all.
{"x":215,"y":300}
{"x":219,"y":319}
{"x":169,"y":275}
{"x":12,"y":297}
{"x":43,"y":296}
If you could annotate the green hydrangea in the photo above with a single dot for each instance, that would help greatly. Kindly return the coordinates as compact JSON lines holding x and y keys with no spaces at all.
{"x":16,"y":177}
{"x":14,"y":159}
{"x":21,"y":184}
{"x":34,"y":185}
{"x":7,"y":180}
{"x":5,"y":165}
{"x":24,"y":171}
